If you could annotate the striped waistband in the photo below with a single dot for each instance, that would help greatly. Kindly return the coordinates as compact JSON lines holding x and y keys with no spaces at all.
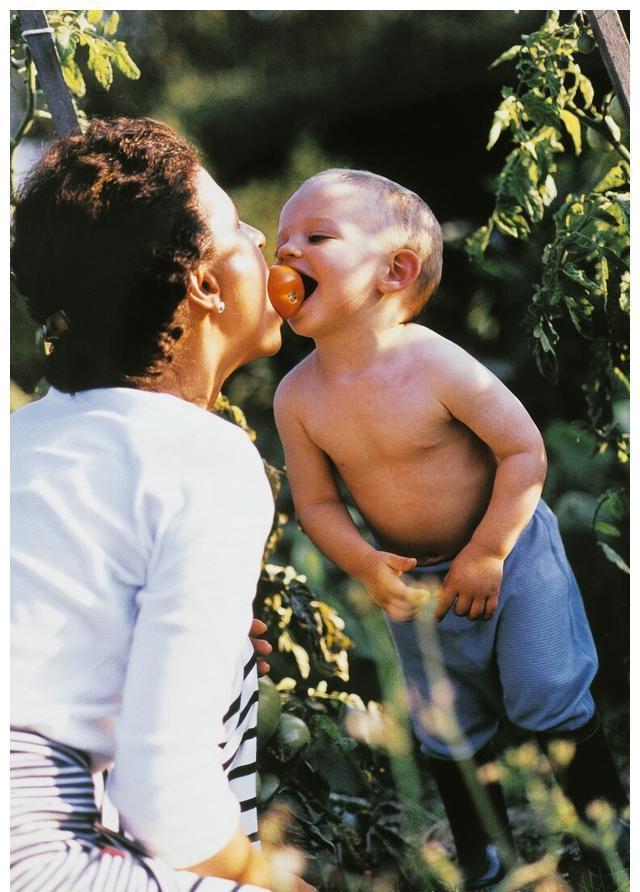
{"x":50,"y":783}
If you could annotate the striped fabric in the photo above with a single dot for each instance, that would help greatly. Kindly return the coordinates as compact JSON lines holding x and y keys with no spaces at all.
{"x":58,"y":843}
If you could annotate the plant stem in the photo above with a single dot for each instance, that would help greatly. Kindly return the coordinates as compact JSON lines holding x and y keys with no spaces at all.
{"x":28,"y":119}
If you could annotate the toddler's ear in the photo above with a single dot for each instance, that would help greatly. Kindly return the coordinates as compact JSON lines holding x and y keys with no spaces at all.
{"x":402,"y":270}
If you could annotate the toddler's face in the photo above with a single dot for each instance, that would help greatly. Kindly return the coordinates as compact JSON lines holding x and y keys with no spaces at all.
{"x":327,"y":233}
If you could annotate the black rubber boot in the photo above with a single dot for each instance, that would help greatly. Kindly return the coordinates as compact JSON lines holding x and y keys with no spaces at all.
{"x":591,"y":774}
{"x":482,"y":835}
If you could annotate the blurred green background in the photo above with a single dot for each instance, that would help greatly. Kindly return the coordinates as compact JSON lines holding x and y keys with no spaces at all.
{"x":271,"y":97}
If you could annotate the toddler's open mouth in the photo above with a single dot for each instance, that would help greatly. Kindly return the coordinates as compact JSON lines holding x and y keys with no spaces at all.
{"x":310,"y":285}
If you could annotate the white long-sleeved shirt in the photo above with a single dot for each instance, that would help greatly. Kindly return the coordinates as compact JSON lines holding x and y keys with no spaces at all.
{"x":138,"y":522}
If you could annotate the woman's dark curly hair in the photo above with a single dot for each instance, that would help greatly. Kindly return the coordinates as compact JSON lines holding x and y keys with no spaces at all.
{"x":107,"y":228}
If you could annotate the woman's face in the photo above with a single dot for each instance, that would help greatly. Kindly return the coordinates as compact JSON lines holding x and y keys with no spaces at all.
{"x":251,"y":323}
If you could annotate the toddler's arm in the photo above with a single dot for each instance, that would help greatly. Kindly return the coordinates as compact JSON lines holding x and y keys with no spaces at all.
{"x":325,"y":519}
{"x":477,"y":398}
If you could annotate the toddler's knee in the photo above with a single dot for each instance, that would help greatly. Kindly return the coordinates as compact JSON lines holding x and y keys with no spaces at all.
{"x":551,"y":705}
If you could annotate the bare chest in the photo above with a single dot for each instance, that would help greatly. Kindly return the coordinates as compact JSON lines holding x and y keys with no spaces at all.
{"x":391,"y":423}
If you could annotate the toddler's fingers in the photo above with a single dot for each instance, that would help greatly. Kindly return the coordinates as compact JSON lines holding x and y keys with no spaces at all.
{"x":490,"y":606}
{"x":477,"y":609}
{"x":263,"y":668}
{"x":447,"y":596}
{"x":463,"y":605}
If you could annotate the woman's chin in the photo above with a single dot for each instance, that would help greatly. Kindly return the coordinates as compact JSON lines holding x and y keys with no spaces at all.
{"x":269,"y":344}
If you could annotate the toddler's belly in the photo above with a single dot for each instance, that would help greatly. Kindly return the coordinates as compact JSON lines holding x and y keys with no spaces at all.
{"x":429,"y":521}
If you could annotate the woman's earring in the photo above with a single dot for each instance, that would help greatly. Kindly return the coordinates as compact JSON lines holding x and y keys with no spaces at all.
{"x":220,"y":307}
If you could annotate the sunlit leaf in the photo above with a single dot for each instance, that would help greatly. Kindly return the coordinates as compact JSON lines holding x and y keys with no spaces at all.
{"x":573,"y":128}
{"x":506,"y":56}
{"x":607,"y":529}
{"x":124,"y":61}
{"x":111,"y":25}
{"x":614,"y":557}
{"x":100,"y":64}
{"x":586,"y":88}
{"x":94,"y":16}
{"x":66,"y":42}
{"x":73,"y":77}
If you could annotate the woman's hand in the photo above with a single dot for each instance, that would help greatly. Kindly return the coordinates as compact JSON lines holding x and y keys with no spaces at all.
{"x":261,"y":647}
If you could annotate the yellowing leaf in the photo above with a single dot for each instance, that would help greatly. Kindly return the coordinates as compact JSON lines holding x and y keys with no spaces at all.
{"x":94,"y":16}
{"x":613,"y":179}
{"x":111,"y":25}
{"x":124,"y":61}
{"x":586,"y":88}
{"x":509,"y":54}
{"x":73,"y":77}
{"x":100,"y":65}
{"x":574,"y":130}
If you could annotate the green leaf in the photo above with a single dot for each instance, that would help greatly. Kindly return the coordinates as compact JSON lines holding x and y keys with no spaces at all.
{"x":94,"y":16}
{"x":66,"y":41}
{"x":99,"y":63}
{"x":124,"y":61}
{"x":614,"y":557}
{"x":542,"y":338}
{"x":548,"y":190}
{"x":573,"y":128}
{"x":478,"y":242}
{"x":586,"y":88}
{"x":506,"y":56}
{"x":578,"y":276}
{"x":607,"y":529}
{"x":111,"y":25}
{"x":73,"y":77}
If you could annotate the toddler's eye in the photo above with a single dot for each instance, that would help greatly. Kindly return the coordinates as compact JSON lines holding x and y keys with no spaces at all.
{"x":317,"y":238}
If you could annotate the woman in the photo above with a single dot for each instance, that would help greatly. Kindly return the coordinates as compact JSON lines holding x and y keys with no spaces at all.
{"x":138,"y":522}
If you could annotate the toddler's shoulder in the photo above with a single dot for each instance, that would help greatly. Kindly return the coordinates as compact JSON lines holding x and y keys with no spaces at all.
{"x":434,"y":350}
{"x":296,"y":384}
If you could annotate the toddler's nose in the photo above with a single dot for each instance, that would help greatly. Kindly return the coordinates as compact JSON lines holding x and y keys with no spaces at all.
{"x":288,"y":249}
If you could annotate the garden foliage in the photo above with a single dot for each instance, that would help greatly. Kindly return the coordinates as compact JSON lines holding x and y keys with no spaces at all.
{"x":328,"y":776}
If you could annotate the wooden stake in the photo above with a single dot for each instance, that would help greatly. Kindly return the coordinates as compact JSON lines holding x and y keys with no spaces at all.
{"x":614,"y":47}
{"x":43,"y":50}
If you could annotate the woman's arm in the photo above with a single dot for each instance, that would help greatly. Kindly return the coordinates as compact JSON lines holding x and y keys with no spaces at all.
{"x":194,"y":614}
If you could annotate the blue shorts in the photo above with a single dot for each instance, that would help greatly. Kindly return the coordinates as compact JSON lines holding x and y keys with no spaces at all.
{"x":534,"y":661}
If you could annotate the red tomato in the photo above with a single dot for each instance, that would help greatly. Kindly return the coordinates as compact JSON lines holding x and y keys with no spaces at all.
{"x":286,"y":290}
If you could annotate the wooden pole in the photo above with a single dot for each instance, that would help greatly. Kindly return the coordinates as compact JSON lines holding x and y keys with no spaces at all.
{"x":614,"y":47}
{"x":43,"y":50}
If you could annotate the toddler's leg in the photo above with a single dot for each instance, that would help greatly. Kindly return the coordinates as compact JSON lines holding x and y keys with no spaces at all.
{"x":480,"y":826}
{"x":547,"y":661}
{"x":453,"y":661}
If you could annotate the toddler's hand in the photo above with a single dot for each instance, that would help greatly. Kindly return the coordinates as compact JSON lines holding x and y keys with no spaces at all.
{"x":382,"y":581}
{"x":474,"y":578}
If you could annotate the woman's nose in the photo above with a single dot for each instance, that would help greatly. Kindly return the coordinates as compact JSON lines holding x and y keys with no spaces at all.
{"x":256,"y":235}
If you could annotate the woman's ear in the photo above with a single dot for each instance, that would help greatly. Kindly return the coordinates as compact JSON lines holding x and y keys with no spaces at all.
{"x":401,"y":271}
{"x":204,"y":288}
